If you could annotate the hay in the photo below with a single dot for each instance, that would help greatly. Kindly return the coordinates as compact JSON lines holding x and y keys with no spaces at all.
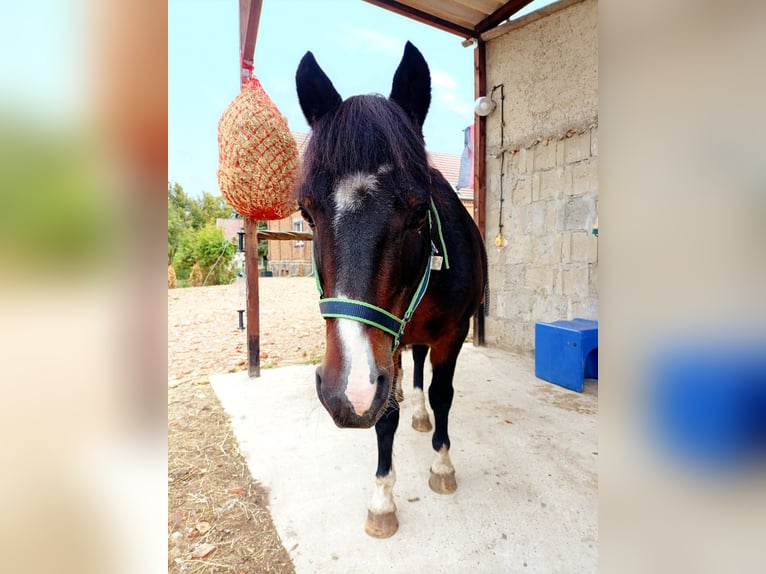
{"x":257,"y":156}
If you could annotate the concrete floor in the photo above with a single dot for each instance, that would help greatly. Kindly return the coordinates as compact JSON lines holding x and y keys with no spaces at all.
{"x":524,"y":450}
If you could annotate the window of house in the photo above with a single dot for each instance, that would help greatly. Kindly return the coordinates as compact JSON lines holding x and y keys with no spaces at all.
{"x":298,"y":226}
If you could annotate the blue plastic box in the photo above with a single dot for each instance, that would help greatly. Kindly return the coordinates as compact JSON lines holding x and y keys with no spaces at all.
{"x":566,"y":352}
{"x":706,"y":401}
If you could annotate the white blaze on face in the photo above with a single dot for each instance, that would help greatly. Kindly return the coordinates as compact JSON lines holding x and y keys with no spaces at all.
{"x":359,"y":363}
{"x":349,"y":194}
{"x":351,"y":190}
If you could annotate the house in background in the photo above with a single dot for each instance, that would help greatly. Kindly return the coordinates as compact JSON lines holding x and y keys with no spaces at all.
{"x":230,"y":227}
{"x":293,"y":258}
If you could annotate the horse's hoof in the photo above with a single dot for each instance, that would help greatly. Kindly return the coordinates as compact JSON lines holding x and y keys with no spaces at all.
{"x":422,"y":423}
{"x":443,"y":483}
{"x":381,"y":525}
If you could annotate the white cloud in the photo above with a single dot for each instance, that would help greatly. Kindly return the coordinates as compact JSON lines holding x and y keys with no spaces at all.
{"x":443,"y":80}
{"x":461,"y":108}
{"x":355,"y":39}
{"x":446,"y":95}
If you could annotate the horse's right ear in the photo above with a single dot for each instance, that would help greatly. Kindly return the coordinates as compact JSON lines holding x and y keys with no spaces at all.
{"x":316,"y":93}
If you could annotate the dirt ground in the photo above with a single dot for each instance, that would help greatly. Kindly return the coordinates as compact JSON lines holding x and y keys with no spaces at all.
{"x":218,"y":517}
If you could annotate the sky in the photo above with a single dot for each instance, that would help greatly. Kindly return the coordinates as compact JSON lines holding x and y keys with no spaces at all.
{"x":358,"y":45}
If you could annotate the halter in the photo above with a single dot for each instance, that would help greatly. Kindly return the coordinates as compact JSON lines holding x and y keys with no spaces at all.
{"x":369,"y":314}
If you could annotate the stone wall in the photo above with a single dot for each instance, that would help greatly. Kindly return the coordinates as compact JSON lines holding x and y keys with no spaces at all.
{"x":547,"y":269}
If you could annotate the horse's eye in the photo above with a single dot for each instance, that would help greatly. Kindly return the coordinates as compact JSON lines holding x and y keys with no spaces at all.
{"x":307,"y":217}
{"x":417,"y":217}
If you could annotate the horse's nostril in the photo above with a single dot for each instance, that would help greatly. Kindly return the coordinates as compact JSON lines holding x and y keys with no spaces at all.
{"x":381,"y":379}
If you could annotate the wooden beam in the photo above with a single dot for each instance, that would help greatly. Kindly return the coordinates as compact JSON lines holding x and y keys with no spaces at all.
{"x":538,"y":14}
{"x":249,"y":16}
{"x":285,"y":235}
{"x":424,"y":18}
{"x":253,"y":311}
{"x":480,"y":138}
{"x":501,"y":14}
{"x":479,"y":163}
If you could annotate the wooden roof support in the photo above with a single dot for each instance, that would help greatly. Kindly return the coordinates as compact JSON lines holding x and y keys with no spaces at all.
{"x":249,"y":16}
{"x":479,"y":163}
{"x":501,"y":14}
{"x":425,"y":18}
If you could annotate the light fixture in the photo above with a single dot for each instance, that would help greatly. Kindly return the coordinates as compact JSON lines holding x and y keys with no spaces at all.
{"x":468,"y":42}
{"x":483,"y":106}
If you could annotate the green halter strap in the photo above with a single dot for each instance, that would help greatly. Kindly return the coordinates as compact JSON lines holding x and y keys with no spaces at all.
{"x":363,"y":312}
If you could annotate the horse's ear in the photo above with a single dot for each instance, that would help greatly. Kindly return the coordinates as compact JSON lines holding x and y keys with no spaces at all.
{"x":316,"y":93}
{"x":411,"y":88}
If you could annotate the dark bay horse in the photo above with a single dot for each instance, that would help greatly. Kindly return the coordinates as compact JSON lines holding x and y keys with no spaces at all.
{"x":398,"y":260}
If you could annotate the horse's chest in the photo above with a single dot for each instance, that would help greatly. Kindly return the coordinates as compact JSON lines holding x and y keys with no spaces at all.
{"x":429,"y":325}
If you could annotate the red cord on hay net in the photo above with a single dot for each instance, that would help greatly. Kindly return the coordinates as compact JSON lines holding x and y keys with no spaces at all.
{"x":257,"y":156}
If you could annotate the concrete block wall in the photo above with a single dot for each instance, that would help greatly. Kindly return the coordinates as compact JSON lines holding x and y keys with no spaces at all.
{"x":549,"y":267}
{"x":548,"y":158}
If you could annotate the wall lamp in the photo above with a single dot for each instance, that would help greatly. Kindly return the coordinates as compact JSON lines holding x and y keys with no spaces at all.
{"x":484,"y":105}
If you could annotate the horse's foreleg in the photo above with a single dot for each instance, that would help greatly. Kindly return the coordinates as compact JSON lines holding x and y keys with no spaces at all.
{"x":420,"y":420}
{"x":440,"y":394}
{"x":381,"y":512}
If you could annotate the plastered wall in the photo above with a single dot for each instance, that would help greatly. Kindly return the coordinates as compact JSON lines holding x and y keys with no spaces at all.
{"x":547,"y":268}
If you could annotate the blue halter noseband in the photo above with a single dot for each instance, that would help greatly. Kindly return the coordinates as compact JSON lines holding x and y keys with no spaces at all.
{"x":369,"y":314}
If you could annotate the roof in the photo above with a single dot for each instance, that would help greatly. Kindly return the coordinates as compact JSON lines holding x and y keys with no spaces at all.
{"x":466,"y":18}
{"x":448,"y":164}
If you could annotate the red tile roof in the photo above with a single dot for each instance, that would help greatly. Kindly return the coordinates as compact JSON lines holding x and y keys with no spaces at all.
{"x":448,"y":164}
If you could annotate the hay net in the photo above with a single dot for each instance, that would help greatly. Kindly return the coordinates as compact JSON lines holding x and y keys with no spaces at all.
{"x":257,"y":156}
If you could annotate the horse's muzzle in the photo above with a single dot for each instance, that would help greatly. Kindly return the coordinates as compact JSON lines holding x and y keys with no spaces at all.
{"x":331,"y":391}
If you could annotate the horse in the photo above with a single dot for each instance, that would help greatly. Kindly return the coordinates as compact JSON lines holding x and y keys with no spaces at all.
{"x":398,"y":261}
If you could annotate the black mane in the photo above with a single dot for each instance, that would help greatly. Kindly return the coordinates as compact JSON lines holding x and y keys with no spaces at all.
{"x":363,"y":133}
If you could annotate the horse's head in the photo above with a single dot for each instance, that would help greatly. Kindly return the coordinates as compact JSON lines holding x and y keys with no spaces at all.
{"x":365,"y":191}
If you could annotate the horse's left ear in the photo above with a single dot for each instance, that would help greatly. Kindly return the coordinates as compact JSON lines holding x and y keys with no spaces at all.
{"x":411,"y":88}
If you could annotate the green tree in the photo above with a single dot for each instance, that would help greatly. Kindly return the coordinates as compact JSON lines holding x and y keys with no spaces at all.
{"x":176,"y":228}
{"x":179,"y":202}
{"x":179,"y":220}
{"x":207,"y":248}
{"x":207,"y":209}
{"x":186,"y":217}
